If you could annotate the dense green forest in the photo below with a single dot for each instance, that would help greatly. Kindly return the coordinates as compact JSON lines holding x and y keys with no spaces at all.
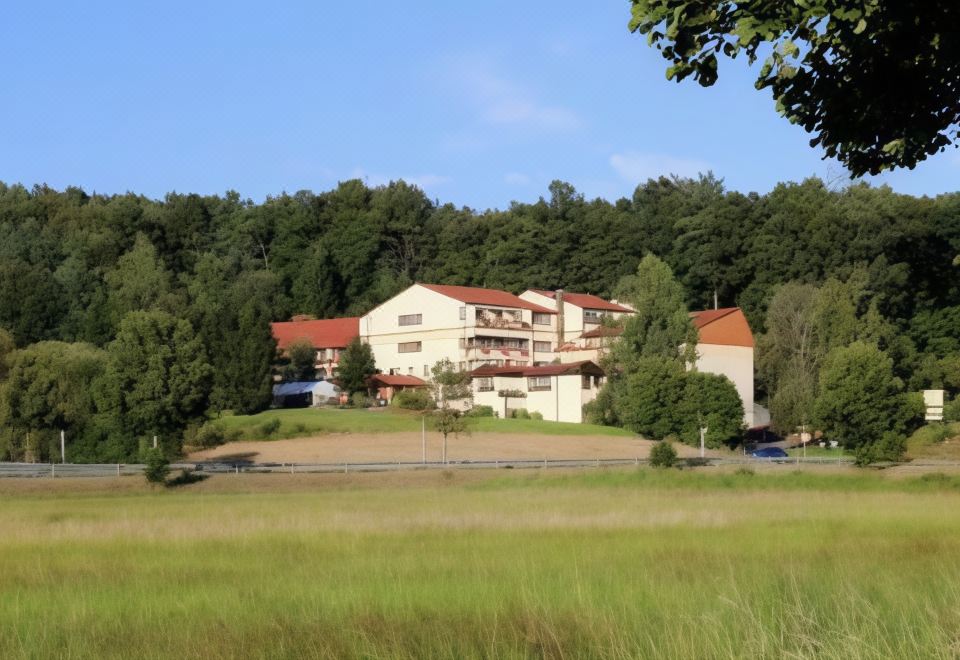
{"x":122,"y":317}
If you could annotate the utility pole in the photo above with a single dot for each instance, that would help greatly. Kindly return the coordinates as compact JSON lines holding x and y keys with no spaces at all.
{"x":703,"y":431}
{"x":63,"y":448}
{"x":423,"y":437}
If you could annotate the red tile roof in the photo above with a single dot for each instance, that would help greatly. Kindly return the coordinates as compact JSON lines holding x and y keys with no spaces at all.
{"x":585,"y":301}
{"x":327,"y":333}
{"x":396,"y":380}
{"x":583,"y":366}
{"x":492,"y":297}
{"x":726,"y":327}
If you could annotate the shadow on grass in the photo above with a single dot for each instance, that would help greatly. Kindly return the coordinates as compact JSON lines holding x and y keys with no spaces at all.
{"x":185,"y":478}
{"x":240,"y":458}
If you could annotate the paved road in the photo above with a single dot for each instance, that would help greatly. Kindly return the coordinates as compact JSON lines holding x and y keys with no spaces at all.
{"x":55,"y":470}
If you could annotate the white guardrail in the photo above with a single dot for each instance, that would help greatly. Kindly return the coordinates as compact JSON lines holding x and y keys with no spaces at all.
{"x":63,"y":470}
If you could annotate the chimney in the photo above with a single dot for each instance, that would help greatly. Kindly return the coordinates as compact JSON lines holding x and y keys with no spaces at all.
{"x":560,"y":334}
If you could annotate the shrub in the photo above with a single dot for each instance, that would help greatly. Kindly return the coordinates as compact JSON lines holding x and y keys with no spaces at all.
{"x":601,"y":410}
{"x":480,"y":411}
{"x":519,"y":413}
{"x":207,"y":435}
{"x":359,"y":400}
{"x":890,"y":447}
{"x":267,"y":429}
{"x":951,"y":411}
{"x":158,"y":467}
{"x":663,"y":455}
{"x":537,"y":416}
{"x":413,"y":399}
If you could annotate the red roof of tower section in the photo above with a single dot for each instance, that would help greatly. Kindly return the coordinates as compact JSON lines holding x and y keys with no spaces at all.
{"x":727,"y":327}
{"x":479,"y":296}
{"x":585,"y":301}
{"x":326,"y":333}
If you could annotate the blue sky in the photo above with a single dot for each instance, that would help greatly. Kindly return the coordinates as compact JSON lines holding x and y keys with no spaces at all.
{"x":478,"y":103}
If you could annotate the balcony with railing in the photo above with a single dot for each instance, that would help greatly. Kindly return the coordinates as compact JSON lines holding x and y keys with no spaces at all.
{"x":500,"y":318}
{"x":489,"y":348}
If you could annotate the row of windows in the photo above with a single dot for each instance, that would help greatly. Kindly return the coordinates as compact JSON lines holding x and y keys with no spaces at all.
{"x":539,"y":318}
{"x":538,"y":383}
{"x":409,"y":347}
{"x":396,"y":371}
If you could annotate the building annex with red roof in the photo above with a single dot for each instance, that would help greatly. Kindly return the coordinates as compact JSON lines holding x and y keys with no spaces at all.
{"x":556,"y":391}
{"x":327,"y":336}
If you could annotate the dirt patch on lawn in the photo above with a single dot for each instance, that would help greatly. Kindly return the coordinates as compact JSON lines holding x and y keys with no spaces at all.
{"x":406,"y":447}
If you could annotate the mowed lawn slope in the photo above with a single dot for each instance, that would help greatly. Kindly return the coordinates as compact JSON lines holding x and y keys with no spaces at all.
{"x":600,"y":564}
{"x":389,"y":435}
{"x":314,"y":421}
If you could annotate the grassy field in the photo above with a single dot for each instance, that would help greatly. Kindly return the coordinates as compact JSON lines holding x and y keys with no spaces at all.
{"x":935,"y":441}
{"x":598,"y":564}
{"x":314,"y":421}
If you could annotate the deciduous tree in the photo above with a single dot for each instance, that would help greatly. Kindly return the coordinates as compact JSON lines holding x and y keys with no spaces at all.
{"x":875,"y":83}
{"x":356,"y":366}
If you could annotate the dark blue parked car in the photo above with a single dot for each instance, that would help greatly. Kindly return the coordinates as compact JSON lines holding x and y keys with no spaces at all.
{"x":769,"y":452}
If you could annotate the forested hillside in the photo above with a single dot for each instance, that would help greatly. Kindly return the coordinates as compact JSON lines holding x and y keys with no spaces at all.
{"x":109,"y":283}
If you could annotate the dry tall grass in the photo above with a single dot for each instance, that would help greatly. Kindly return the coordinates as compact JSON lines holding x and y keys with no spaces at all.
{"x":605,"y":565}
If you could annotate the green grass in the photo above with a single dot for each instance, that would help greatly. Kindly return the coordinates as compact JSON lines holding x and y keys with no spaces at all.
{"x":940,"y":441}
{"x":815,"y":451}
{"x":314,"y":421}
{"x":599,"y":564}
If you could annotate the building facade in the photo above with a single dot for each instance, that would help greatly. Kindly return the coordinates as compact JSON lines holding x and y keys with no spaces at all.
{"x":577,"y":313}
{"x":470,"y":326}
{"x":543,"y":344}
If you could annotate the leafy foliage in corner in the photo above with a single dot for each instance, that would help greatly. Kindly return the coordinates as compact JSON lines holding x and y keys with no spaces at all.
{"x":876,"y":83}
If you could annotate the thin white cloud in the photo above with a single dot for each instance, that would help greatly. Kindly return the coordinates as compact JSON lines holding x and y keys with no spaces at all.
{"x":502,"y":101}
{"x":636,"y":167}
{"x":516,"y":179}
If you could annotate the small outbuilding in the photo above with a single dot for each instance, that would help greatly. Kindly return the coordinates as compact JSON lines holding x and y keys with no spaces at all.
{"x":556,"y":391}
{"x":385,"y":386}
{"x":304,"y":394}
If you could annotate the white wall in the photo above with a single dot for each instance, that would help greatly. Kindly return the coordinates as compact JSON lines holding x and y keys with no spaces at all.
{"x":734,"y":362}
{"x":439,"y":333}
{"x":563,"y":402}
